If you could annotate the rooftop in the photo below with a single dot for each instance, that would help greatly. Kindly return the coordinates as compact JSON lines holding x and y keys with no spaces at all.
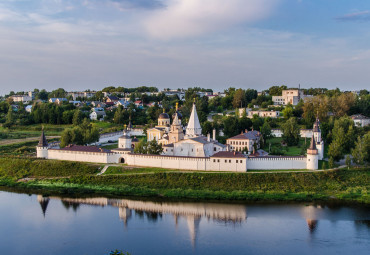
{"x":228,"y":154}
{"x":82,"y":148}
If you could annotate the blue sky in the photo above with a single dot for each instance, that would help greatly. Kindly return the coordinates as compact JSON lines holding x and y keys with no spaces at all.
{"x":81,"y":44}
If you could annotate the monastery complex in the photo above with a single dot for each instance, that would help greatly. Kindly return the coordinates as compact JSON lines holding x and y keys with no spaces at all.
{"x":190,"y":150}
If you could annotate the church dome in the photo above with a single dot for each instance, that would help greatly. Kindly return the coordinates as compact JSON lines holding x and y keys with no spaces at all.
{"x":163,"y":116}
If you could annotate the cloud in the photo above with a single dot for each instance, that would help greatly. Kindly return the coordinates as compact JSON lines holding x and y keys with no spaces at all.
{"x":356,"y":17}
{"x":189,"y":18}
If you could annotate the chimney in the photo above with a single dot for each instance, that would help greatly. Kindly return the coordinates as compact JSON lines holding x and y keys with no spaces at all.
{"x":246,"y":130}
{"x":234,"y":153}
{"x":208,"y":137}
{"x":214,"y":134}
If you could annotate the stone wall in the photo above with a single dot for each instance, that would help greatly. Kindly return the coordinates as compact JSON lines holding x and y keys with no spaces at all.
{"x":84,"y":156}
{"x":283,"y":162}
{"x":187,"y":163}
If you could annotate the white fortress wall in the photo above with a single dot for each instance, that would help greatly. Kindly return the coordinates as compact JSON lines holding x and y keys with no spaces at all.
{"x":187,"y":163}
{"x":269,"y":163}
{"x":83,"y":156}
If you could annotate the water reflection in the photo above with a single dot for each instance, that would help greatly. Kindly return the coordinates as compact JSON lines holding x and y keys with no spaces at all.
{"x":191,"y":212}
{"x":95,"y":225}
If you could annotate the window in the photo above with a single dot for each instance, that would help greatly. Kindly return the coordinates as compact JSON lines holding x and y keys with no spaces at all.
{"x":225,"y":161}
{"x":237,"y":161}
{"x":229,"y":160}
{"x":214,"y":160}
{"x":214,"y":149}
{"x":218,"y":161}
{"x":241,"y":161}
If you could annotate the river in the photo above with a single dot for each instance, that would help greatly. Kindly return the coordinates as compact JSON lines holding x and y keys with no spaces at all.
{"x":33,"y":224}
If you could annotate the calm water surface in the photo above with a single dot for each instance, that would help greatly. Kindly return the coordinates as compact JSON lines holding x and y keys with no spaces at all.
{"x":32,"y":224}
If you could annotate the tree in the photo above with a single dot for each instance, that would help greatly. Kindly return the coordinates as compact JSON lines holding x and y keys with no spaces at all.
{"x":77,"y":117}
{"x":266,"y":131}
{"x":348,"y":161}
{"x":288,"y":112}
{"x":82,"y":134}
{"x":9,"y":120}
{"x":141,"y":147}
{"x":154,"y":147}
{"x":207,"y":128}
{"x":331,"y":162}
{"x":239,"y":99}
{"x":336,"y":147}
{"x":359,"y":153}
{"x":291,"y":131}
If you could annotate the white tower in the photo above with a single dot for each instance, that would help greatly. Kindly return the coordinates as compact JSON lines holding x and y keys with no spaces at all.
{"x":312,"y":156}
{"x":42,"y":147}
{"x":193,"y":129}
{"x":124,"y":142}
{"x":318,"y":140}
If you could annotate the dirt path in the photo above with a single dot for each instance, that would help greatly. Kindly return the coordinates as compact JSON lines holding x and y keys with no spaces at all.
{"x":28,"y":139}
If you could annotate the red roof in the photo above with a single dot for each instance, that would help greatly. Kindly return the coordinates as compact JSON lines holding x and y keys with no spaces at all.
{"x":228,"y":154}
{"x":84,"y":149}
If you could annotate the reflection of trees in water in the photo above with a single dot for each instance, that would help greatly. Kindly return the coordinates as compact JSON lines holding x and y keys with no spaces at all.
{"x":69,"y":205}
{"x":227,"y":222}
{"x":153,"y":216}
{"x":139,"y":213}
{"x":362,"y":224}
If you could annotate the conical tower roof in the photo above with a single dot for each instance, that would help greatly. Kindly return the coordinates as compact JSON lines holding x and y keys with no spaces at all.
{"x":312,"y":149}
{"x":43,"y":142}
{"x":193,"y":128}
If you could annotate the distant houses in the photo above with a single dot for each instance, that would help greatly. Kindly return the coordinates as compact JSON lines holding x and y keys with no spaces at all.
{"x":97,"y":114}
{"x":360,"y":120}
{"x":289,"y":96}
{"x":57,"y":100}
{"x":21,"y":99}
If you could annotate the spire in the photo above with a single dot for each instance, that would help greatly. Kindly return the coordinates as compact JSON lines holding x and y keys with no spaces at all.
{"x":312,"y":149}
{"x":44,"y":201}
{"x":42,"y":142}
{"x":193,"y":128}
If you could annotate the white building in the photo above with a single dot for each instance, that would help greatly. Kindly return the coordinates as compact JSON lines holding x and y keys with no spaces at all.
{"x":81,"y":94}
{"x":360,"y":120}
{"x":97,"y":114}
{"x":290,"y":96}
{"x":264,"y":114}
{"x":21,"y":98}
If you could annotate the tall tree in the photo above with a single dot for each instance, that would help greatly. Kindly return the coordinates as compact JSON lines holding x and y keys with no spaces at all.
{"x":291,"y":131}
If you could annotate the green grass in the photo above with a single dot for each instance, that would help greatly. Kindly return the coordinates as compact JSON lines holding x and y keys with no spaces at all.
{"x":285,"y":150}
{"x":111,"y":146}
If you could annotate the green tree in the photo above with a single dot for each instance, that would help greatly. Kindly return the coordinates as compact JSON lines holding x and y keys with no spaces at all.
{"x":291,"y":131}
{"x":348,"y":161}
{"x":141,"y":147}
{"x":331,"y":162}
{"x":77,"y":117}
{"x":266,"y":131}
{"x":288,"y":112}
{"x":154,"y":147}
{"x":359,"y":153}
{"x":9,"y":120}
{"x":239,"y":99}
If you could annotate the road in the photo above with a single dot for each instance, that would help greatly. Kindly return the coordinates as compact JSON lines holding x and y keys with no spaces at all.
{"x":28,"y":139}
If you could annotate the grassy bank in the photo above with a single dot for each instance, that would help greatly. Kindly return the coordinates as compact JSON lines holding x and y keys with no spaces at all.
{"x":47,"y":176}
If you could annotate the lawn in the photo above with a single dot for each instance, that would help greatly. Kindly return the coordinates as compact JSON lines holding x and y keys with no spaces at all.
{"x":277,"y":149}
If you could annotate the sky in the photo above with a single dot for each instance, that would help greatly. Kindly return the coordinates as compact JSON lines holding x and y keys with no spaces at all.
{"x":91,"y":44}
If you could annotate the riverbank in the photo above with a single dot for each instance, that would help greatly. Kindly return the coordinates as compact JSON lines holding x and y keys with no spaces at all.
{"x":74,"y":178}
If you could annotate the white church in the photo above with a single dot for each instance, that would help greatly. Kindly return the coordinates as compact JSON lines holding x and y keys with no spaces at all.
{"x":189,"y":151}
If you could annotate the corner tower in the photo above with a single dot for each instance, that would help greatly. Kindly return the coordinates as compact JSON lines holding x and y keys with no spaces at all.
{"x":312,"y":156}
{"x":42,"y":146}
